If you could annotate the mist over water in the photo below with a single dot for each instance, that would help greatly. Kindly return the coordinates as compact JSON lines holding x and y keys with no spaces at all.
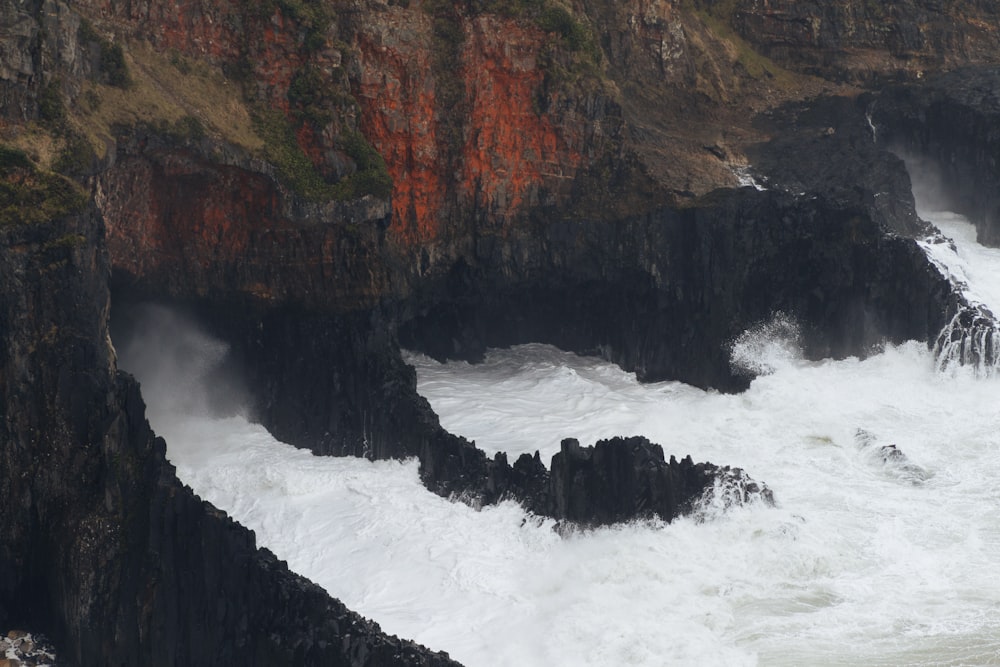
{"x":868,"y":558}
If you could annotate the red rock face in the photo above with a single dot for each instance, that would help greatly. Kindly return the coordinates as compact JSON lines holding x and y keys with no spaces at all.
{"x":509,"y":150}
{"x":396,"y":90}
{"x":184,"y":226}
{"x":504,"y":153}
{"x":171,"y":213}
{"x":512,"y":149}
{"x":473,"y":146}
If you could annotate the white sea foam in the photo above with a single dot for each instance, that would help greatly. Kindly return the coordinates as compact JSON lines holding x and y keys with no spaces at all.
{"x":857,"y":563}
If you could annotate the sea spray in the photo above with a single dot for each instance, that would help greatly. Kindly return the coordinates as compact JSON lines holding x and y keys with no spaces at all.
{"x":767,"y":346}
{"x":971,"y":338}
{"x":855,"y":565}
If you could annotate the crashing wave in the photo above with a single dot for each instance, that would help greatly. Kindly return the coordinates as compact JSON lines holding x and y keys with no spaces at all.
{"x":767,"y":346}
{"x":731,"y":487}
{"x":971,"y":339}
{"x":890,"y":458}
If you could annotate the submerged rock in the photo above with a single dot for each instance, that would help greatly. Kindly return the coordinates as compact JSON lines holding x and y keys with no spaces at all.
{"x":890,"y":458}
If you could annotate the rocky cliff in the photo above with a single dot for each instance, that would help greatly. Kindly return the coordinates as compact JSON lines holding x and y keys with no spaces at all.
{"x":952,"y":121}
{"x":868,"y":42}
{"x":102,"y":546}
{"x":325,"y":181}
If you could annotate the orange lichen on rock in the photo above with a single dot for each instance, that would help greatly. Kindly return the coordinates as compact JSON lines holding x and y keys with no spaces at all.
{"x":511,"y":149}
{"x":508,"y":150}
{"x":397,"y":96}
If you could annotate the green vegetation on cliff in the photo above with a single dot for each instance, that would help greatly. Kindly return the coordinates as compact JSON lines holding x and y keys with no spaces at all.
{"x":719,"y":17}
{"x":111,"y":66}
{"x":29,"y":195}
{"x":298,"y":173}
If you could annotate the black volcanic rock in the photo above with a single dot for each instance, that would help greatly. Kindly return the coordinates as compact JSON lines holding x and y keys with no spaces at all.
{"x":614,"y":481}
{"x":953,"y":120}
{"x":829,"y":147}
{"x":371,"y":409}
{"x":665,"y":294}
{"x":623,"y":479}
{"x":101,"y":547}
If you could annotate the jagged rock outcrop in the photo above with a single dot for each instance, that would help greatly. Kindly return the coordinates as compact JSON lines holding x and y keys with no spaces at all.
{"x":614,"y":481}
{"x":101,"y":547}
{"x":624,"y":478}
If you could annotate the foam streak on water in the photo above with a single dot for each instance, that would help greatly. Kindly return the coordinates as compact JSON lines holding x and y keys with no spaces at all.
{"x":868,"y":558}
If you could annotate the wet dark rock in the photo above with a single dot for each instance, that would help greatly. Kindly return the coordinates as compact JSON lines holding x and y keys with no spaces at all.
{"x":101,"y":547}
{"x":828,"y":147}
{"x":890,"y":458}
{"x":623,"y":479}
{"x":664,"y":294}
{"x":25,"y":649}
{"x":952,"y":120}
{"x":362,"y":401}
{"x":971,"y":338}
{"x":614,"y":481}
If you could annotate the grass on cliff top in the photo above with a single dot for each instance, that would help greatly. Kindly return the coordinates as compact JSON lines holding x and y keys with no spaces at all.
{"x":297,"y":171}
{"x":188,"y":99}
{"x":718,"y":17}
{"x":169,"y":92}
{"x":29,"y":195}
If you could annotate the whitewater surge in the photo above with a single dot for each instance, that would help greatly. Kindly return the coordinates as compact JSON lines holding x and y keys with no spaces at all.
{"x":867,"y":558}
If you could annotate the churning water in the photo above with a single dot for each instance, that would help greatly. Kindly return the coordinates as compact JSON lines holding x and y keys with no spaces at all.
{"x":883,"y":547}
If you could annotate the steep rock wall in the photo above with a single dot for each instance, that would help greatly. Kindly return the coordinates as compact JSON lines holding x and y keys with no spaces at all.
{"x":664,"y":294}
{"x":101,"y":547}
{"x":182,"y":224}
{"x":529,"y":204}
{"x":474,"y":135}
{"x":953,"y":120}
{"x":869,"y":42}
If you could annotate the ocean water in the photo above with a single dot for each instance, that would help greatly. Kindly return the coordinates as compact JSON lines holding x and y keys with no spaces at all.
{"x":882,"y":548}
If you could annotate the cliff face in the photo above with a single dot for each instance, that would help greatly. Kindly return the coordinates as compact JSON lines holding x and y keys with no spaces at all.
{"x":191,"y":226}
{"x":870,"y":42}
{"x":322,"y":181}
{"x":510,"y":144}
{"x":100,"y":544}
{"x":952,"y":121}
{"x":483,"y":117}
